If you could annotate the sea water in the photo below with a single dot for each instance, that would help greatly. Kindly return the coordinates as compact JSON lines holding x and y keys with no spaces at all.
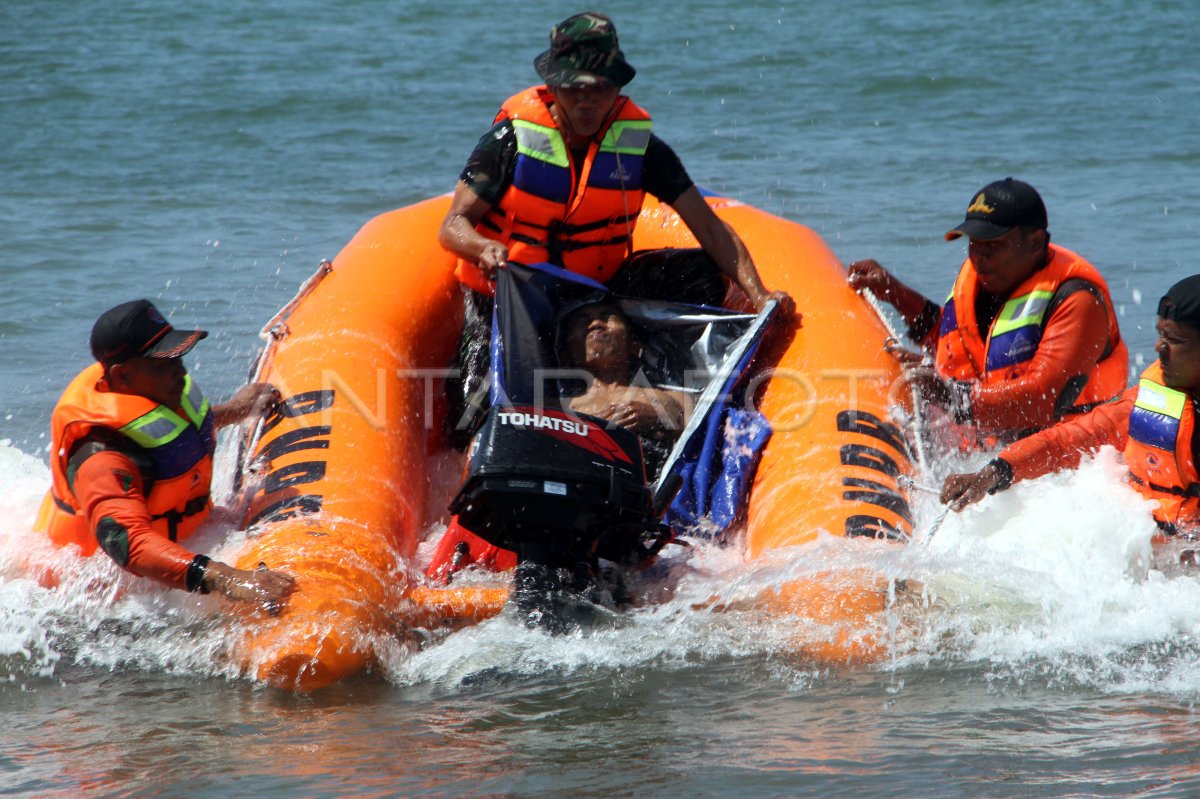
{"x":207,"y":155}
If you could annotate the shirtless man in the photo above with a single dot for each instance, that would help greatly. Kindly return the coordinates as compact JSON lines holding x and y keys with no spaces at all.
{"x":600,"y":340}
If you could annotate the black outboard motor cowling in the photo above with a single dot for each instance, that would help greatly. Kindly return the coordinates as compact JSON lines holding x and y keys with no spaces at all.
{"x":557,"y":488}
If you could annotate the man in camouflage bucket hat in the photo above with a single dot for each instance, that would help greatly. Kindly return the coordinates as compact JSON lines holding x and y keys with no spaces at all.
{"x":584,"y":51}
{"x":560,"y":178}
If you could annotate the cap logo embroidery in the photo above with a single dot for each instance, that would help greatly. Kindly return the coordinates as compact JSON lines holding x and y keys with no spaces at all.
{"x":980,"y":204}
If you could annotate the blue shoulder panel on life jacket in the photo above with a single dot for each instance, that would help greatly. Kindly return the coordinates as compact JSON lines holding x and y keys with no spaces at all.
{"x":1153,"y":429}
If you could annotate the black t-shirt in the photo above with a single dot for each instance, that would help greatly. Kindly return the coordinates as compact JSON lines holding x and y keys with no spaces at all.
{"x":489,"y":170}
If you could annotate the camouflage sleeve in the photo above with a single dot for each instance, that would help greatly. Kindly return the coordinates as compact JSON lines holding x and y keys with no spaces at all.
{"x":489,"y":169}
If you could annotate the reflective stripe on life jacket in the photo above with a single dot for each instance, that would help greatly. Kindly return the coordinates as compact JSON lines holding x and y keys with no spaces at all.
{"x":581,"y":219}
{"x":179,"y":450}
{"x":164,"y":433}
{"x":1017,"y":330}
{"x":1159,"y":450}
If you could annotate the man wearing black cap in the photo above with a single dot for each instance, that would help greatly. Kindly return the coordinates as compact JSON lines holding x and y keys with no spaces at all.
{"x":132,"y":440}
{"x":1028,"y":335}
{"x":560,"y":178}
{"x":1153,"y":424}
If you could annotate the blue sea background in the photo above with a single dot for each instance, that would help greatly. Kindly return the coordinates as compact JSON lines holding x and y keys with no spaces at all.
{"x":209,"y":154}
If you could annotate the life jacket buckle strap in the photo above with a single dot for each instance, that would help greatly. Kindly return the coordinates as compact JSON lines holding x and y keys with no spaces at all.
{"x":176,"y":517}
{"x":62,"y":504}
{"x":1192,"y":491}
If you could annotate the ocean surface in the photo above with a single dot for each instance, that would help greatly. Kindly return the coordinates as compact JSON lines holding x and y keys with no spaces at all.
{"x":209,"y":154}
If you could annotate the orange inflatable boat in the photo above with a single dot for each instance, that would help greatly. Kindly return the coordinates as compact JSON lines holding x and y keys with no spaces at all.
{"x":339,"y":485}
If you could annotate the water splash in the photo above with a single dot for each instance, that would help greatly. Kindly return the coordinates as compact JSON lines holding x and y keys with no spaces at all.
{"x":1053,"y":581}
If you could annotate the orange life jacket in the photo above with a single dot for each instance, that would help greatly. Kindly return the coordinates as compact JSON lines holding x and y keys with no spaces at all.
{"x":548,"y":214}
{"x":1017,"y":330}
{"x":1159,"y":450}
{"x":180,"y":449}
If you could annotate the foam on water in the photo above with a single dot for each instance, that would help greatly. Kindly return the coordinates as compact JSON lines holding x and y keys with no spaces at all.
{"x":1054,"y":578}
{"x":57,"y":608}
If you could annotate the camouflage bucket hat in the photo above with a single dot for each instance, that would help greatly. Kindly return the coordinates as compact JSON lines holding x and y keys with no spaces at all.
{"x":583,"y":50}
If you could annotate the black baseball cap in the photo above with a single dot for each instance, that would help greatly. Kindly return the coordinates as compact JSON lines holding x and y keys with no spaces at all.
{"x":1181,"y":303}
{"x":998,"y":208}
{"x":135,"y":329}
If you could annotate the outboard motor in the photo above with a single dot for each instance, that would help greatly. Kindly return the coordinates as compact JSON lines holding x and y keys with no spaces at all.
{"x":564,"y":490}
{"x":558,"y":489}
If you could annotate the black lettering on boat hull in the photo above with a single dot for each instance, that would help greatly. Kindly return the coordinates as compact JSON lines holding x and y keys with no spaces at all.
{"x":880,"y":493}
{"x":287,"y":477}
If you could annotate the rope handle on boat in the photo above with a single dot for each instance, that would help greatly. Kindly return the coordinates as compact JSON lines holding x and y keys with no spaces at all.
{"x":908,"y":483}
{"x":905,"y":481}
{"x":894,"y":336}
{"x":273,"y":332}
{"x":277,"y":328}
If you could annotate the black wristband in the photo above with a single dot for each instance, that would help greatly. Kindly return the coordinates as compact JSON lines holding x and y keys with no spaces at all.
{"x":195,"y":574}
{"x":1004,"y":468}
